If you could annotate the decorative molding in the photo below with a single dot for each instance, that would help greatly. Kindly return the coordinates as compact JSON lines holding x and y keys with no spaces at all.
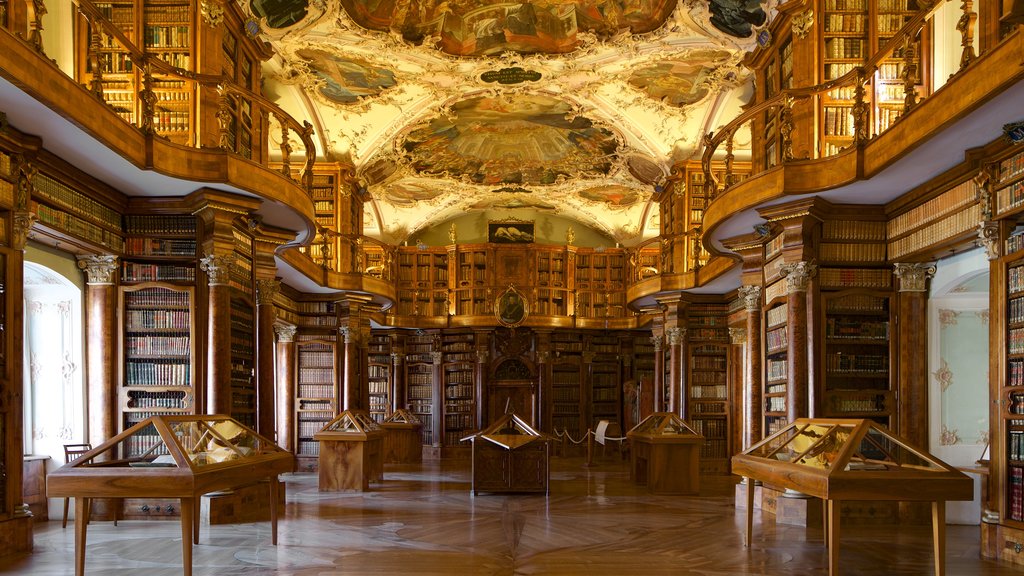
{"x":266,"y":289}
{"x":797,"y":275}
{"x":543,"y":356}
{"x":988,"y":238}
{"x":738,"y":335}
{"x":914,"y":276}
{"x":21,"y":228}
{"x":436,"y":357}
{"x":802,"y":23}
{"x":397,"y":359}
{"x":212,"y":12}
{"x":217,"y":268}
{"x":751,"y":295}
{"x":656,"y":341}
{"x":99,"y":270}
{"x":482,"y":356}
{"x":676,"y":335}
{"x":285,"y":333}
{"x":346,"y":334}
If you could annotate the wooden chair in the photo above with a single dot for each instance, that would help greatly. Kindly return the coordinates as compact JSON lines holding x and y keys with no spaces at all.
{"x":71,"y":452}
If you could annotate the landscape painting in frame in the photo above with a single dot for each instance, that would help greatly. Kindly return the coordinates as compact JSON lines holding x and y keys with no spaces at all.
{"x":510,"y":232}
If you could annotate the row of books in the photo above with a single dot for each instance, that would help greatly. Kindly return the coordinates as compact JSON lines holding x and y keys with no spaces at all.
{"x":717,"y":391}
{"x":709,"y":362}
{"x":700,"y":378}
{"x":138,"y":444}
{"x":459,"y":422}
{"x":776,"y":369}
{"x":318,"y":390}
{"x":844,"y":404}
{"x":171,"y":120}
{"x":379,"y":388}
{"x":1011,"y":168}
{"x":709,"y":408}
{"x":604,"y":394}
{"x":378,"y":372}
{"x":843,"y":47}
{"x":1015,"y":447}
{"x":418,"y":392}
{"x":316,"y":375}
{"x":161,"y":298}
{"x":776,"y":340}
{"x":845,"y":5}
{"x":170,"y":400}
{"x":458,"y":390}
{"x":885,"y":117}
{"x":316,"y":356}
{"x":307,"y":428}
{"x":1016,"y":399}
{"x":565,"y":394}
{"x":1015,"y":243}
{"x":775,"y":404}
{"x":710,"y":428}
{"x":855,"y":328}
{"x":458,"y":377}
{"x":832,"y":252}
{"x":308,"y":447}
{"x":157,"y":345}
{"x":135,"y":272}
{"x":149,"y":246}
{"x":713,"y":448}
{"x":952,"y":200}
{"x":891,"y":23}
{"x":64,"y":196}
{"x":154,"y":13}
{"x":844,"y":23}
{"x":1015,"y":344}
{"x":166,"y":36}
{"x":957,"y":224}
{"x":1016,"y":311}
{"x":859,"y":302}
{"x":775,"y":388}
{"x":853,"y":230}
{"x":839,"y":121}
{"x":160,"y":225}
{"x":157,"y":373}
{"x":876,"y":363}
{"x":76,"y":226}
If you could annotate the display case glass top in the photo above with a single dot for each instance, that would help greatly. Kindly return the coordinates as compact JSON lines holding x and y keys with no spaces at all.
{"x":402,"y":416}
{"x":510,"y":431}
{"x":851,"y":459}
{"x":663,"y":425}
{"x":351,"y":422}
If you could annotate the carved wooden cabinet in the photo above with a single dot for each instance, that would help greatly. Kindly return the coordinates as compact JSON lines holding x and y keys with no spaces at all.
{"x":665,"y":454}
{"x":510,"y":456}
{"x":351,"y":453}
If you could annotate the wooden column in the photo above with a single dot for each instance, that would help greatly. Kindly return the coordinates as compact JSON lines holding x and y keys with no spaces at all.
{"x":101,"y":345}
{"x":354,"y":328}
{"x":480,"y":385}
{"x":218,"y":371}
{"x":797,"y":275}
{"x":737,"y":386}
{"x":437,"y":403}
{"x":753,"y":385}
{"x":676,"y":355}
{"x":543,"y":391}
{"x":285,"y":383}
{"x":266,"y":289}
{"x":912,"y":334}
{"x":397,"y":381}
{"x":659,"y":375}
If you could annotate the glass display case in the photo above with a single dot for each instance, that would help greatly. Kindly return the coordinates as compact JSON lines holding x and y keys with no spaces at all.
{"x":351,"y":452}
{"x":402,"y":434}
{"x":851,"y":459}
{"x":665,"y":454}
{"x":510,"y":456}
{"x":171,"y":456}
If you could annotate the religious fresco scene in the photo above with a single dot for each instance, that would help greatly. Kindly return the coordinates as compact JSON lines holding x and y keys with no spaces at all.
{"x":346,"y":80}
{"x":614,"y":196}
{"x":474,"y":28}
{"x":409,"y":193}
{"x":526,"y":139}
{"x":678,"y":83}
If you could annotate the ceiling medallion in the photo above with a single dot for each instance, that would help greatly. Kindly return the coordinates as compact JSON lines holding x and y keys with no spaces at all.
{"x":507,"y":76}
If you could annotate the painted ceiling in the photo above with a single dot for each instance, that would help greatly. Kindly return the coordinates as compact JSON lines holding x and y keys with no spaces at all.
{"x":573,"y":107}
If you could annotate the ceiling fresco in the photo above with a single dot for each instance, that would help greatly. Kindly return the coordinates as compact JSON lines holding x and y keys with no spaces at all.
{"x":528,"y":139}
{"x":575,"y":108}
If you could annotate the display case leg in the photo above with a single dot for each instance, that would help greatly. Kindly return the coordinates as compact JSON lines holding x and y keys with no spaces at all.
{"x":82,"y":506}
{"x":750,"y":509}
{"x":833,"y":537}
{"x":275,"y":487}
{"x":188,"y":513}
{"x":939,"y":536}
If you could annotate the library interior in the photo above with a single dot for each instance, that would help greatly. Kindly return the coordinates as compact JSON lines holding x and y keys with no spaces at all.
{"x":746,"y":276}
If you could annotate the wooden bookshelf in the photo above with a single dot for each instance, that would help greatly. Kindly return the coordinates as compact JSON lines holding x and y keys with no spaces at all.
{"x":566,"y":382}
{"x":458,"y":368}
{"x":889,"y":85}
{"x":243,"y":325}
{"x":423,"y":282}
{"x":419,"y":382}
{"x":158,"y":352}
{"x":380,"y":386}
{"x":707,"y":395}
{"x":70,"y":215}
{"x":776,"y":378}
{"x":1011,"y":424}
{"x":1010,"y":186}
{"x":600,"y":277}
{"x":845,"y":45}
{"x":316,"y":393}
{"x":241,"y":67}
{"x":605,"y":379}
{"x":857,"y":356}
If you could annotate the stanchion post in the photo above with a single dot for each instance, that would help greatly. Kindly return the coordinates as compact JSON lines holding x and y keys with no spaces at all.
{"x":590,"y":449}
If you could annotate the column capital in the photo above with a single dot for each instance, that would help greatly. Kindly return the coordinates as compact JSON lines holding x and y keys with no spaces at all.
{"x":656,"y":341}
{"x":217,"y":268}
{"x":346,"y":334}
{"x":751,"y":295}
{"x":676,"y":335}
{"x":436,"y":358}
{"x":99,"y":270}
{"x":397,"y":359}
{"x":266,"y":289}
{"x":285,"y":333}
{"x":21,"y":227}
{"x":914,"y":276}
{"x":797,"y":275}
{"x":543,"y":356}
{"x":738,"y":335}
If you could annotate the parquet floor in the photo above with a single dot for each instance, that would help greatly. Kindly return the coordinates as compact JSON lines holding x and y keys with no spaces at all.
{"x":424,"y":520}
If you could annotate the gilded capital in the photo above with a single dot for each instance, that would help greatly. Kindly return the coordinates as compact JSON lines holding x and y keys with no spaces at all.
{"x":266,"y":290}
{"x":212,"y":12}
{"x":396,"y":359}
{"x":217,"y":268}
{"x":988,"y":238}
{"x":99,"y":270}
{"x":482,"y":356}
{"x":797,"y":275}
{"x":346,"y":334}
{"x":751,"y":294}
{"x":436,"y":357}
{"x":675,"y":335}
{"x":738,"y":335}
{"x":22,"y":221}
{"x":656,"y":342}
{"x":543,"y":356}
{"x":914,"y":275}
{"x":285,"y":333}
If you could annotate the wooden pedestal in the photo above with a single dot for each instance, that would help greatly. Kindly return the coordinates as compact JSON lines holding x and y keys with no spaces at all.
{"x":33,"y":488}
{"x":350,"y":464}
{"x":521,"y":469}
{"x":250,"y":503}
{"x":402,"y":443}
{"x":666,"y":466}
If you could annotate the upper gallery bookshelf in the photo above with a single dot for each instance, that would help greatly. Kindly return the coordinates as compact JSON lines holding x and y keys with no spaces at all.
{"x":69,"y":214}
{"x":423,"y":282}
{"x":161,"y":30}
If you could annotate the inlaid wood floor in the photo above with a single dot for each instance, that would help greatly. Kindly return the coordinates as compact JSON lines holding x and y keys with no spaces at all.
{"x":423,"y":520}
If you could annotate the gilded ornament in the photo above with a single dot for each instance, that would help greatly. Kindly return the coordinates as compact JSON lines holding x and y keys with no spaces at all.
{"x":212,"y":12}
{"x":285,"y":333}
{"x":99,"y":270}
{"x":217,"y":268}
{"x":802,"y":23}
{"x":914,"y":275}
{"x":797,"y":275}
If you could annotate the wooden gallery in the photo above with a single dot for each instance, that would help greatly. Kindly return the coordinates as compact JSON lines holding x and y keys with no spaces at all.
{"x":504,"y":288}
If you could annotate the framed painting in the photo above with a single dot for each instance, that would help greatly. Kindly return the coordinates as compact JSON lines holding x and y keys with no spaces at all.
{"x":510,"y":232}
{"x":511,"y":307}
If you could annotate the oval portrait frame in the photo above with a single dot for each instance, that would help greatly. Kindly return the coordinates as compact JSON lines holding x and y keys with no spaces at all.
{"x":511,"y":308}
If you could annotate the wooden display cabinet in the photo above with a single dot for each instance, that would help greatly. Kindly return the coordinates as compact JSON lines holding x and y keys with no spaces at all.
{"x":402,"y":438}
{"x":351,"y":453}
{"x":184,"y":458}
{"x":851,"y":459}
{"x":665,"y":454}
{"x":510,"y":456}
